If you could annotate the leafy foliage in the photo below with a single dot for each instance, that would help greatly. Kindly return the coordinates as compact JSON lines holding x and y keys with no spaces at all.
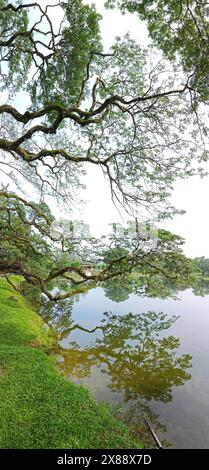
{"x":126,"y":110}
{"x":18,"y":64}
{"x":202,"y":264}
{"x":179,"y":28}
{"x":61,"y":80}
{"x":23,"y":232}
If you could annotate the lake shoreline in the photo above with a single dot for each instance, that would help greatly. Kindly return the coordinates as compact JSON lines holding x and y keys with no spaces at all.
{"x":39,"y":406}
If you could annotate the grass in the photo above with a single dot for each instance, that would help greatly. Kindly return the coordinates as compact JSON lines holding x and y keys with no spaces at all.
{"x":39,"y":407}
{"x":19,"y":325}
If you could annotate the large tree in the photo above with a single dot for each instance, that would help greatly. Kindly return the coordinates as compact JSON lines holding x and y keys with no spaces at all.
{"x":131,"y":111}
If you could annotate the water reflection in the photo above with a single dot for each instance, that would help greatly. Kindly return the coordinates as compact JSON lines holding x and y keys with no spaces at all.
{"x":132,"y":356}
{"x":201,"y":288}
{"x":139,"y":360}
{"x":137,"y":354}
{"x":120,"y":289}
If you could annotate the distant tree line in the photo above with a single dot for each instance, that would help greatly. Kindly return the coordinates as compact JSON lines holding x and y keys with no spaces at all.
{"x":203,"y":265}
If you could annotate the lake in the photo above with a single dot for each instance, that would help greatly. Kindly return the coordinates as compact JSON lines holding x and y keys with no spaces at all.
{"x":148,"y":357}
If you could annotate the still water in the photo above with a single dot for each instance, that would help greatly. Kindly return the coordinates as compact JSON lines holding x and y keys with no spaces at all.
{"x":149,"y":357}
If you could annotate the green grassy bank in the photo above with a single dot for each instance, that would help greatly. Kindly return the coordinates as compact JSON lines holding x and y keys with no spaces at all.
{"x":39,"y":407}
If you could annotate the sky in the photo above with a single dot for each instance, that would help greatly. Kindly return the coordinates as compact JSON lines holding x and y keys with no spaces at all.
{"x":191,"y":195}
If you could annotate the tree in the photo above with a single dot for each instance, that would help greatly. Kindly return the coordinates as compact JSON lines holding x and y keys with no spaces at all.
{"x":180,"y":29}
{"x":128,"y":111}
{"x":23,"y":232}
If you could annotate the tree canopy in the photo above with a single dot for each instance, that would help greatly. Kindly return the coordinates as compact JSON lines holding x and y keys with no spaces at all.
{"x":133,"y":111}
{"x":180,"y":29}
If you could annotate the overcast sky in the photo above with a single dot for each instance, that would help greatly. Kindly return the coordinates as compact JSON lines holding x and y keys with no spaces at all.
{"x":191,"y":195}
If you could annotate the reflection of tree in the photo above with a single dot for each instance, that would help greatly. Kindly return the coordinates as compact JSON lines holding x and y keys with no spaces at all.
{"x":58,"y":314}
{"x":154,"y":286}
{"x":135,"y":351}
{"x":120,"y":289}
{"x":141,"y":361}
{"x":131,"y":349}
{"x":201,"y":288}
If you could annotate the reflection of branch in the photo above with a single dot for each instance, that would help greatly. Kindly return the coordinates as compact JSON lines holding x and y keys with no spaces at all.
{"x":81,"y":328}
